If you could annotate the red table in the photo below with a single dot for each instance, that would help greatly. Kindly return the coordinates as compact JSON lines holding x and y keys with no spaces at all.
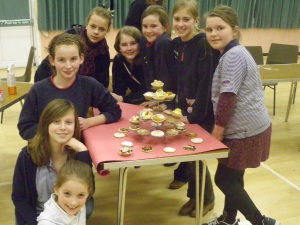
{"x":104,"y":151}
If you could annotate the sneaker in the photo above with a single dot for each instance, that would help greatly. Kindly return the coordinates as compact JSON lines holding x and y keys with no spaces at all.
{"x":270,"y":221}
{"x":220,"y":221}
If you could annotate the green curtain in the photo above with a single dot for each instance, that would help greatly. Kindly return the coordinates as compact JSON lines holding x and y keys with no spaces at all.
{"x":277,"y":14}
{"x":61,"y":14}
{"x":121,"y":8}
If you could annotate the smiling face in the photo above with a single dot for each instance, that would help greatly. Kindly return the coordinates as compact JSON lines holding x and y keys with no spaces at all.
{"x":219,"y":33}
{"x":152,"y":28}
{"x":129,"y":47}
{"x":184,"y":24}
{"x":66,"y":61}
{"x":72,"y":195}
{"x":62,"y":129}
{"x":97,"y":27}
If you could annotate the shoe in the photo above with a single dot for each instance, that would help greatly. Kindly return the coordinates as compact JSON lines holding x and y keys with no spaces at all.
{"x":270,"y":221}
{"x":220,"y":221}
{"x":169,"y":164}
{"x":206,"y":209}
{"x":176,"y":184}
{"x":187,"y":207}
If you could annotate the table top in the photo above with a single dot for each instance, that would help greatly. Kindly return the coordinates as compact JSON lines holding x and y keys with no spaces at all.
{"x":22,"y":90}
{"x":280,"y":72}
{"x":104,"y":147}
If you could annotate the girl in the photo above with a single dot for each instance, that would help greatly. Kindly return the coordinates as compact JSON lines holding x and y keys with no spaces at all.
{"x":136,"y":10}
{"x":194,"y":65}
{"x":242,"y":120}
{"x":154,"y":47}
{"x":74,"y":185}
{"x":66,"y":55}
{"x":56,"y":141}
{"x":127,"y":70}
{"x":97,"y":58}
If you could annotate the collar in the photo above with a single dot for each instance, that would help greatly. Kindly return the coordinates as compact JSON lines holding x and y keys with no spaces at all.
{"x":230,"y":45}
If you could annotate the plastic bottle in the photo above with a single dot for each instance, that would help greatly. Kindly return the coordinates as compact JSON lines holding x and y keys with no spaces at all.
{"x":11,"y":80}
{"x":1,"y":92}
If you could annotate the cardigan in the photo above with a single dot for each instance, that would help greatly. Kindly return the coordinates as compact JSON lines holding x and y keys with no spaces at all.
{"x":122,"y":80}
{"x":84,"y":93}
{"x":24,"y":193}
{"x":194,"y":64}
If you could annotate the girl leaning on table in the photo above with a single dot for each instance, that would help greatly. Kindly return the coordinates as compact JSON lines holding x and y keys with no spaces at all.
{"x":56,"y":141}
{"x":242,"y":120}
{"x":73,"y":186}
{"x":127,"y":69}
{"x":66,"y":54}
{"x":193,"y":63}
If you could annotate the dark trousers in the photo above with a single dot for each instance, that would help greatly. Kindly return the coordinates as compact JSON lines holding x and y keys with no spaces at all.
{"x":209,"y":195}
{"x":231,"y":183}
{"x":181,"y":173}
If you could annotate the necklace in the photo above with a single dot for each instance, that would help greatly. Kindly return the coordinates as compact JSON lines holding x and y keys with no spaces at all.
{"x":128,"y":71}
{"x":190,"y":102}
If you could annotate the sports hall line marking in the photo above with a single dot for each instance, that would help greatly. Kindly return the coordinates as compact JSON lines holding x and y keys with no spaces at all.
{"x":5,"y":183}
{"x":281,"y":177}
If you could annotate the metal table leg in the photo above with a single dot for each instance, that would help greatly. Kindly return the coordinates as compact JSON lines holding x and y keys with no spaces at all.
{"x":200,"y":199}
{"x":122,"y":193}
{"x":292,"y":94}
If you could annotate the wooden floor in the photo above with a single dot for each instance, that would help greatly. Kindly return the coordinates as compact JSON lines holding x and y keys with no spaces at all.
{"x":274,"y":187}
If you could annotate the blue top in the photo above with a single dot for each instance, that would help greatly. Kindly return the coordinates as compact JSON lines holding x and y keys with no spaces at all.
{"x":85,"y":92}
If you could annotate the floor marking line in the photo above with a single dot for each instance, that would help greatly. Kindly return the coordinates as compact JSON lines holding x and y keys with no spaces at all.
{"x":281,"y":177}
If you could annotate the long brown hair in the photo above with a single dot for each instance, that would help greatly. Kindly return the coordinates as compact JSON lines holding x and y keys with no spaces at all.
{"x":39,"y":147}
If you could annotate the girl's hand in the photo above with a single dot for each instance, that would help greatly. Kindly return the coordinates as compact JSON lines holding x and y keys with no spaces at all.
{"x":218,"y":132}
{"x":119,"y":98}
{"x":184,"y":119}
{"x":78,"y":146}
{"x":83,"y":123}
{"x":149,"y":104}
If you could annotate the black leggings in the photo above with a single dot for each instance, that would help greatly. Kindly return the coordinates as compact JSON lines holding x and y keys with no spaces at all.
{"x":231,"y":183}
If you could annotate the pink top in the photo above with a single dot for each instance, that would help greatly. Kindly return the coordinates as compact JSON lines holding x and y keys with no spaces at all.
{"x":104,"y":147}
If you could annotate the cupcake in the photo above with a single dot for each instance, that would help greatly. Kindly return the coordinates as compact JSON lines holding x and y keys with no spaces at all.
{"x":135,"y":120}
{"x":158,"y":118}
{"x":156,"y":84}
{"x":148,"y":95}
{"x":177,"y":113}
{"x":170,"y":96}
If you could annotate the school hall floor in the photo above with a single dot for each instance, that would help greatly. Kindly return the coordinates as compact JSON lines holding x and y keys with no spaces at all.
{"x":274,"y":186}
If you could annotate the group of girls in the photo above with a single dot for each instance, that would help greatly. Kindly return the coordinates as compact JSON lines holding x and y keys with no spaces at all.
{"x":217,"y":85}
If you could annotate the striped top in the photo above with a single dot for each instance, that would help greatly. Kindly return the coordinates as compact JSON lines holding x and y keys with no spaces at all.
{"x":238,"y":73}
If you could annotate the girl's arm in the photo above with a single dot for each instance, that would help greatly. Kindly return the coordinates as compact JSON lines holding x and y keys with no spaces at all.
{"x":227,"y":101}
{"x":25,"y":203}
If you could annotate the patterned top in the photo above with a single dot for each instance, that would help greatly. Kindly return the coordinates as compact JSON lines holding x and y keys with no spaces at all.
{"x":237,"y":73}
